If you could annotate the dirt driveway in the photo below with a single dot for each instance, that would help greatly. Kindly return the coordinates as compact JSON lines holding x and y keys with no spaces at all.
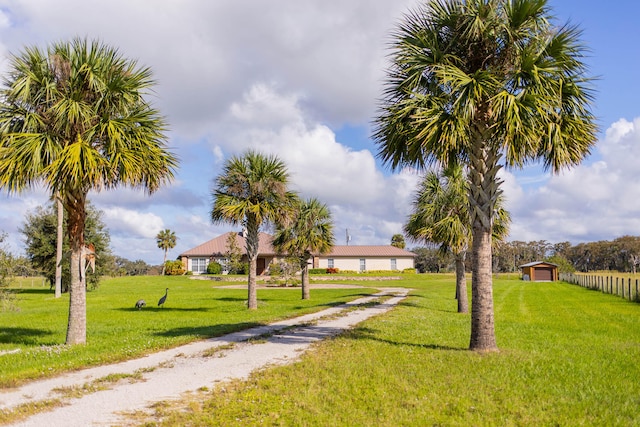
{"x":167,"y":375}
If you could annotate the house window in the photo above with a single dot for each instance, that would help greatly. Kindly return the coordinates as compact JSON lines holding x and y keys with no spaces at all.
{"x":224,"y":262}
{"x":394,"y":264}
{"x":363,"y":264}
{"x":199,"y":265}
{"x":330,"y":263}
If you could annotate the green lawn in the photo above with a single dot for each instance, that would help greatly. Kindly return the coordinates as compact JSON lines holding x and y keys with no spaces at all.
{"x":32,"y":336}
{"x":568,"y":356}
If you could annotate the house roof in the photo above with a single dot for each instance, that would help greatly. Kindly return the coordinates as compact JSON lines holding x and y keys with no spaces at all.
{"x":218,"y":246}
{"x":533,"y":264}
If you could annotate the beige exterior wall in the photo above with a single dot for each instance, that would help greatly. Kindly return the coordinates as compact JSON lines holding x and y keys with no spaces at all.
{"x":371,"y":264}
{"x":341,"y":263}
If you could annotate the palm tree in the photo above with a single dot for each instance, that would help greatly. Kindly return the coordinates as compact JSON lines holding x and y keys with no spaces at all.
{"x":74,"y":119}
{"x":310,"y":232}
{"x":487,"y":83}
{"x":397,"y":240}
{"x":441,"y":215}
{"x":166,"y":239}
{"x":251,"y":191}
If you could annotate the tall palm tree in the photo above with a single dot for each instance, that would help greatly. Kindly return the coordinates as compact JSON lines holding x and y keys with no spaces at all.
{"x":73,"y":117}
{"x":310,"y":232}
{"x":166,"y":239}
{"x":441,"y":215}
{"x":252,"y":190}
{"x":487,"y":83}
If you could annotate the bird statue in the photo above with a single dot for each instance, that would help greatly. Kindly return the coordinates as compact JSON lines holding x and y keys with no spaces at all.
{"x":140,"y":303}
{"x":163,"y":299}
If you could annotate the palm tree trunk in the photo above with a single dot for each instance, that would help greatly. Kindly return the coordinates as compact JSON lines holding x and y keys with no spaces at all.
{"x":164,"y":262}
{"x":77,"y":325}
{"x":306,"y":294}
{"x":252,"y":240}
{"x":59,"y":240}
{"x":482,"y":320}
{"x":252,"y":294}
{"x":483,"y":192}
{"x":461,"y":284}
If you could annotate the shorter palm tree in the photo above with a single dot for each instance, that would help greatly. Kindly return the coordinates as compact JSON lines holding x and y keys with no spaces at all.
{"x":166,"y":239}
{"x":252,"y":190}
{"x":441,"y":215}
{"x":310,"y":232}
{"x":397,"y":240}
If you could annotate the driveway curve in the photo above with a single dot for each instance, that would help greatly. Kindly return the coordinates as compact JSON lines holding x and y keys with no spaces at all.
{"x":168,"y":374}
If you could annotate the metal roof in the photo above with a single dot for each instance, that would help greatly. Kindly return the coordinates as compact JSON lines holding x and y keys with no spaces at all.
{"x":218,"y":246}
{"x":531,"y":264}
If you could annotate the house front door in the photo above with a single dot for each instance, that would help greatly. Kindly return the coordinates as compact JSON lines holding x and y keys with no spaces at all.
{"x":261,"y":266}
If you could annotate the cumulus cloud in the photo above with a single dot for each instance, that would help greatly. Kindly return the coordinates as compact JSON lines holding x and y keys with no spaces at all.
{"x":276,"y":76}
{"x":205,"y":53}
{"x":360,"y":196}
{"x":173,"y":195}
{"x":281,"y":77}
{"x":14,"y":209}
{"x":130,"y":223}
{"x":594,"y":201}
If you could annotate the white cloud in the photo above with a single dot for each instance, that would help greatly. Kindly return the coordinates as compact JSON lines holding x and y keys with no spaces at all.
{"x":320,"y":166}
{"x":14,"y":209}
{"x":594,"y":201}
{"x":5,"y":19}
{"x":133,"y":224}
{"x":204,"y":54}
{"x":281,"y":77}
{"x":277,"y":76}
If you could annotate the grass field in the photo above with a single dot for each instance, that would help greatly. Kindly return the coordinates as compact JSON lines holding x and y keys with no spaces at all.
{"x":568,"y":356}
{"x":32,"y":336}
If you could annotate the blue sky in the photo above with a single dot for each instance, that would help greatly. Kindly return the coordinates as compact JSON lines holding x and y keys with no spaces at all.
{"x":300,"y":79}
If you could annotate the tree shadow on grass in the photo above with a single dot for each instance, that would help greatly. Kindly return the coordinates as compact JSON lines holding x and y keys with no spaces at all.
{"x":41,"y":291}
{"x":163,"y":309}
{"x":28,"y":336}
{"x":210,"y":331}
{"x":406,"y":303}
{"x":230,"y":299}
{"x":371,"y":334}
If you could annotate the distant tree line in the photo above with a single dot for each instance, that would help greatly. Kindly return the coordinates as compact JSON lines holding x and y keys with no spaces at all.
{"x":621,"y":254}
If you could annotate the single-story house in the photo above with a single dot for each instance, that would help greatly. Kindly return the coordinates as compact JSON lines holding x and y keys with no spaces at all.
{"x":365,"y":258}
{"x":539,"y":271}
{"x":197,"y":259}
{"x":352,"y":258}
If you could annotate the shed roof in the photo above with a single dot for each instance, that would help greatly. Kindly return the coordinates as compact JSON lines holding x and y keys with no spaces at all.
{"x":534,"y":263}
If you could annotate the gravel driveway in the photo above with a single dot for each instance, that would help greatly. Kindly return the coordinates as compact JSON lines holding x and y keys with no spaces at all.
{"x":167,"y":375}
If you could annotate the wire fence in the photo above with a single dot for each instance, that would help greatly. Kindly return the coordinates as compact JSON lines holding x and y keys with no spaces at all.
{"x":624,"y":287}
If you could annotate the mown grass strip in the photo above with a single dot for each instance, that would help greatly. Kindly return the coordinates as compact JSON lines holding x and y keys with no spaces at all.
{"x":568,"y":356}
{"x":32,"y":336}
